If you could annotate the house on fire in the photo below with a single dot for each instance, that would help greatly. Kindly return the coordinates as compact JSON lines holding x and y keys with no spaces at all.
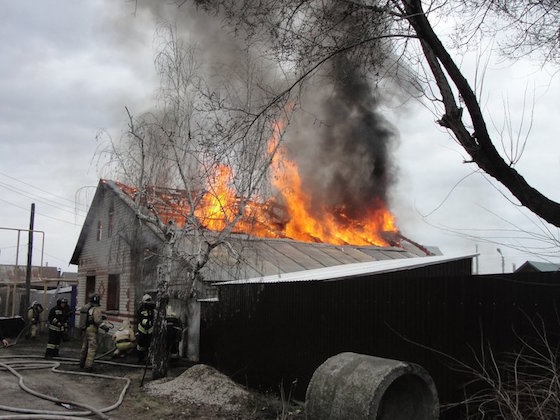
{"x":121,"y":259}
{"x":279,"y":308}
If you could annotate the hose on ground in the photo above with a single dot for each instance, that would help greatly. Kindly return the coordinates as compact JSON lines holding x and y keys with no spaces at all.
{"x":16,"y":365}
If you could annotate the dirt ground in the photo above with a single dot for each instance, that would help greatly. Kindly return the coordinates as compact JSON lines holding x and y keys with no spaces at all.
{"x":189,"y":392}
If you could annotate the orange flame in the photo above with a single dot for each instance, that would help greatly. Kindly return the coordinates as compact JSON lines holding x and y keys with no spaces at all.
{"x":292,"y":219}
{"x":217,"y":206}
{"x":332,"y":225}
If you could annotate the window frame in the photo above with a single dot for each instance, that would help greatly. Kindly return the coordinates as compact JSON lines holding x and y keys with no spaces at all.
{"x":113,"y":292}
{"x":99,"y":230}
{"x":90,"y":287}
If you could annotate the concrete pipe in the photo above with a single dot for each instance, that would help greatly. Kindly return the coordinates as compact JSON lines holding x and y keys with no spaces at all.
{"x":357,"y":386}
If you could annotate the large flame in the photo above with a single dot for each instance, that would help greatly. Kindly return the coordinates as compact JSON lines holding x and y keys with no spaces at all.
{"x":328,"y":225}
{"x":293,"y":218}
{"x":288,"y":215}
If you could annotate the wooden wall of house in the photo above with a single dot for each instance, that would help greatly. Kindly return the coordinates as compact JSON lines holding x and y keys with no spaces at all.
{"x":265,"y":335}
{"x":117,"y":252}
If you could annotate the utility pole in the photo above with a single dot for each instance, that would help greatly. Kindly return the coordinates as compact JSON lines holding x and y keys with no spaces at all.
{"x":476,"y":259}
{"x":29,"y":261}
{"x":503,"y":260}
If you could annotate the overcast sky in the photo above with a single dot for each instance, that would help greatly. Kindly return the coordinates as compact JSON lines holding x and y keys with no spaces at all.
{"x":68,"y":69}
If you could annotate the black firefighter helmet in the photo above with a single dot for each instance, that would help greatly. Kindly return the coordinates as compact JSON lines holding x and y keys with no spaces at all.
{"x":94,"y":299}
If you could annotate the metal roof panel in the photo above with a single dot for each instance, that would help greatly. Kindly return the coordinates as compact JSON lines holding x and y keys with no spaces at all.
{"x":351,"y":270}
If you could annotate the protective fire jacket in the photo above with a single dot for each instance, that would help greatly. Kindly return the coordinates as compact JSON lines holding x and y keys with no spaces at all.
{"x":57,"y":318}
{"x":146,"y":320}
{"x":95,"y":318}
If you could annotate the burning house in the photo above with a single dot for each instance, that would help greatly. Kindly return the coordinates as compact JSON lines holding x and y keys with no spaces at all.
{"x":121,"y":259}
{"x":276,"y":308}
{"x":327,"y":208}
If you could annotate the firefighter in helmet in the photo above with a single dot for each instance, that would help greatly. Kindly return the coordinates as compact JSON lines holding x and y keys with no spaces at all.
{"x":57,"y":320}
{"x":145,"y":326}
{"x":174,"y":328}
{"x":34,"y":318}
{"x":124,"y":339}
{"x":89,"y":336}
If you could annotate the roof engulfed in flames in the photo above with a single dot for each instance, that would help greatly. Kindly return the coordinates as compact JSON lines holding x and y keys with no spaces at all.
{"x":287,"y":215}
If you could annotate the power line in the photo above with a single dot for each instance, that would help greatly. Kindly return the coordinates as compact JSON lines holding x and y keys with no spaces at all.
{"x":39,"y":189}
{"x":36,"y":250}
{"x":43,"y":200}
{"x":41,"y":214}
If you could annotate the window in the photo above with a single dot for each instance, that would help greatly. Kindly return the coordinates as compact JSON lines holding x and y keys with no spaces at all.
{"x":113,"y":292}
{"x":111,"y":222}
{"x":99,"y":230}
{"x":90,"y":287}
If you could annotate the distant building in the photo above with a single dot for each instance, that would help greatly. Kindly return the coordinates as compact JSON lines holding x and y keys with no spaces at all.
{"x":10,"y":274}
{"x":538,"y":267}
{"x":13,"y":283}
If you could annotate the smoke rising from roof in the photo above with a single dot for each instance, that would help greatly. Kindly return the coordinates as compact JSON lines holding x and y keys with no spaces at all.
{"x":342,"y":143}
{"x":338,"y":137}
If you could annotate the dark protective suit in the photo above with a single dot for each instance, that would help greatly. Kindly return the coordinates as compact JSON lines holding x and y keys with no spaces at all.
{"x":174,"y":334}
{"x":57,"y":320}
{"x":144,"y":329}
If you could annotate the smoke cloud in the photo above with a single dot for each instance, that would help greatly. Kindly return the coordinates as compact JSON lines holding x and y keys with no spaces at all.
{"x":338,"y":136}
{"x":342,"y":143}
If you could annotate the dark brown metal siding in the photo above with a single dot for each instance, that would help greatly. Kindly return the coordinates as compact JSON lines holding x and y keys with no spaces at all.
{"x":263,"y":335}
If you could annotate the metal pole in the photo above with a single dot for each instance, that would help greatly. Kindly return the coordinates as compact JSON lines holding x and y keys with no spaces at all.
{"x":503,"y":260}
{"x":29,"y":261}
{"x":476,"y":260}
{"x":16,"y":276}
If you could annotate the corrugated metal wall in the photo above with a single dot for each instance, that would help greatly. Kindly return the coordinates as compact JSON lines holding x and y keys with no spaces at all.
{"x":264,"y":335}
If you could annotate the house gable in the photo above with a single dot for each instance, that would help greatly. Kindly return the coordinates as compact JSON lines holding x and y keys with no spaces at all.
{"x":110,"y":253}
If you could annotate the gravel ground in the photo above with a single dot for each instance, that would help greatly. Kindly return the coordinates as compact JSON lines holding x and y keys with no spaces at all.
{"x":194,"y":392}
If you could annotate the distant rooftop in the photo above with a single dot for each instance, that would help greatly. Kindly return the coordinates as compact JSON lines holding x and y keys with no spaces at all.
{"x":538,"y":266}
{"x":9,"y":274}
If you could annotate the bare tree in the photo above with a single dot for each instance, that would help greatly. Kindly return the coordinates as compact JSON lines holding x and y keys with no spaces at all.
{"x":386,"y":39}
{"x":520,"y":384}
{"x":391,"y":41}
{"x":203,"y":135}
{"x":532,"y":26}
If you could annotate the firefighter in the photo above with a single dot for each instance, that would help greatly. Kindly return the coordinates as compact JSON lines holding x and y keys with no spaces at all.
{"x":57,"y":320}
{"x":66,"y":327}
{"x":34,"y":318}
{"x":89,"y":335}
{"x":124,"y":339}
{"x":174,"y":332}
{"x":145,"y":327}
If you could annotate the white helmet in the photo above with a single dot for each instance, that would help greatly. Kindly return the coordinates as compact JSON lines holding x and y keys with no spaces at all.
{"x":146,"y":298}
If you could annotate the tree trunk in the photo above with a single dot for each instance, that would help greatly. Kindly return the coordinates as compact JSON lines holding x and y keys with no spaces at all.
{"x":158,"y":348}
{"x":478,"y":144}
{"x":160,"y":355}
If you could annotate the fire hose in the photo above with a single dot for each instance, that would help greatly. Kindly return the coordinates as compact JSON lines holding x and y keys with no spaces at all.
{"x":16,"y":364}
